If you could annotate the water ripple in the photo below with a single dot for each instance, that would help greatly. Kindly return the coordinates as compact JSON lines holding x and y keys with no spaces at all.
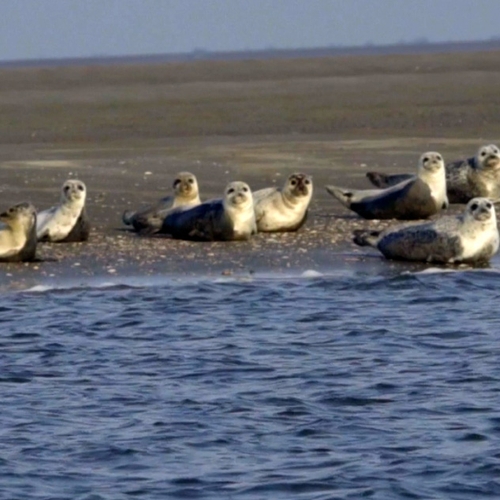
{"x":345,"y":387}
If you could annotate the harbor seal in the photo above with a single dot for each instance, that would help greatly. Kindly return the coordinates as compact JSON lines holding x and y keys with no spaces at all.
{"x":230,"y":218}
{"x":68,"y":221}
{"x":150,"y":219}
{"x":415,"y":198}
{"x":283,"y":209}
{"x":478,"y":176}
{"x":18,"y":235}
{"x":471,"y":237}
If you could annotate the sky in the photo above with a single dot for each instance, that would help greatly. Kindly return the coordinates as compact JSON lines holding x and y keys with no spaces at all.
{"x":40,"y":29}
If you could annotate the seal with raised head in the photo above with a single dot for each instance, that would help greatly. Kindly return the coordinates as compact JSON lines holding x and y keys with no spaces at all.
{"x":416,"y":198}
{"x":471,"y":237}
{"x":150,"y":219}
{"x":230,"y":218}
{"x":478,"y":176}
{"x":68,"y":221}
{"x":283,"y":209}
{"x":18,"y":235}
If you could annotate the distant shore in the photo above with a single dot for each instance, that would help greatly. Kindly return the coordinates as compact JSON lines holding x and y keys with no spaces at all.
{"x":367,"y":49}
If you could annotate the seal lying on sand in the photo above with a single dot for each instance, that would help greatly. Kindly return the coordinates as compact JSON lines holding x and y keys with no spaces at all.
{"x":150,"y":219}
{"x":18,"y":236}
{"x":283,"y":209}
{"x":231,"y":218}
{"x":465,"y":179}
{"x":471,"y":237}
{"x":415,"y":198}
{"x":68,"y":221}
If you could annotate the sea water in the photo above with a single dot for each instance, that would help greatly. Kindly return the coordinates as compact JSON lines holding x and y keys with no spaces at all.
{"x":340,"y":386}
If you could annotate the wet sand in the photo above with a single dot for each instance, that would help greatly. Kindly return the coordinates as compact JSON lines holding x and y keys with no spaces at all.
{"x":126,"y":130}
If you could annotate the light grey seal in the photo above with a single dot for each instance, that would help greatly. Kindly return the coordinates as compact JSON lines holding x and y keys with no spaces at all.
{"x":230,"y":218}
{"x":471,"y":237}
{"x":68,"y":221}
{"x":18,"y":235}
{"x":150,"y":219}
{"x":478,"y":176}
{"x":283,"y":209}
{"x":415,"y":198}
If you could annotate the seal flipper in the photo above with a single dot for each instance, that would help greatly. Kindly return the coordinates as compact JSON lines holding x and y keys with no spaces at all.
{"x":366,"y":238}
{"x":341,"y":194}
{"x":128,"y":217}
{"x":384,"y":180}
{"x":80,"y":231}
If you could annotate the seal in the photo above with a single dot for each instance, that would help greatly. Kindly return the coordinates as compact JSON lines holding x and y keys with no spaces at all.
{"x":150,"y":219}
{"x":230,"y":218}
{"x":471,"y":237}
{"x":18,"y":235}
{"x":415,"y":198}
{"x":68,"y":221}
{"x":478,"y":176}
{"x":283,"y":209}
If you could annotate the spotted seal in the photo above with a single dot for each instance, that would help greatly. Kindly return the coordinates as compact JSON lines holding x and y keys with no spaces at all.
{"x":150,"y":219}
{"x":478,"y":176}
{"x":230,"y":218}
{"x":471,"y":237}
{"x":68,"y":221}
{"x":415,"y":198}
{"x":283,"y":209}
{"x":18,"y":234}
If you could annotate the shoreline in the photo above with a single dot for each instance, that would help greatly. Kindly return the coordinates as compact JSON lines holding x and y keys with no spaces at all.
{"x":133,"y":177}
{"x":127,"y":130}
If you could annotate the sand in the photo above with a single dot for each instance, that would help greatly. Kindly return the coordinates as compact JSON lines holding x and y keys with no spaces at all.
{"x":127,"y":130}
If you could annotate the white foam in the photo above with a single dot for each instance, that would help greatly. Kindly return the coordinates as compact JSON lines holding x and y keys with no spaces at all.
{"x":311,"y":273}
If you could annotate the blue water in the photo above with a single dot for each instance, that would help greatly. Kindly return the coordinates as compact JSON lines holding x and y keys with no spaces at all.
{"x":347,"y":386}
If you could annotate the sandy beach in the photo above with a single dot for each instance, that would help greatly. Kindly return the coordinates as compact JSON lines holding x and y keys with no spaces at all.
{"x":127,"y":130}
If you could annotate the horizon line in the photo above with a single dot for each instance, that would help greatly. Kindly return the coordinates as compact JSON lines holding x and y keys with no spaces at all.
{"x":200,"y":54}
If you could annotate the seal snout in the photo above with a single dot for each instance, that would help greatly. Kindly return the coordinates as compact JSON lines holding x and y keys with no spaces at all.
{"x":482,"y":214}
{"x":238,"y":193}
{"x":240,"y":198}
{"x":492,"y":160}
{"x":185,"y":186}
{"x":300,"y":184}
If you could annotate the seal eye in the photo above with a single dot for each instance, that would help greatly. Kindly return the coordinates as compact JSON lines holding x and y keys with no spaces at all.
{"x":245,"y":189}
{"x":293,"y":182}
{"x":66,"y":188}
{"x":488,"y":205}
{"x":80,"y":187}
{"x":483,"y":153}
{"x":439,"y":158}
{"x":191,"y":181}
{"x":426,"y":159}
{"x":307,"y":182}
{"x":176,"y":183}
{"x":473,"y":207}
{"x":230,"y":190}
